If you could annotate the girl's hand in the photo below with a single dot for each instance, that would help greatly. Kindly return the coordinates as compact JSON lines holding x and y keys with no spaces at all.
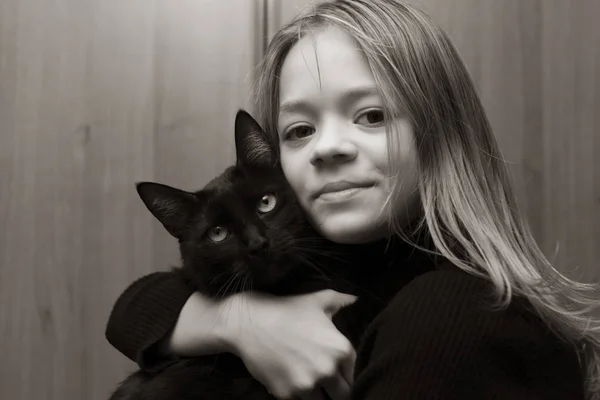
{"x":289,"y":344}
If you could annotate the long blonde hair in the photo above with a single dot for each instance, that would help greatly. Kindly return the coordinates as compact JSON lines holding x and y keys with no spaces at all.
{"x":468,"y":205}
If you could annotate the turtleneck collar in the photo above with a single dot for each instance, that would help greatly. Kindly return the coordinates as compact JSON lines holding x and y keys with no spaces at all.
{"x":394,"y":249}
{"x":391,"y":250}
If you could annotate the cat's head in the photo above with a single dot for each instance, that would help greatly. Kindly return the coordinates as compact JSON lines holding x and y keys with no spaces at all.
{"x":245,"y":228}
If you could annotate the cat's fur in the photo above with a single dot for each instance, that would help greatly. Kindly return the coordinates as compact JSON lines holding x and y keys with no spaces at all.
{"x":275,"y":251}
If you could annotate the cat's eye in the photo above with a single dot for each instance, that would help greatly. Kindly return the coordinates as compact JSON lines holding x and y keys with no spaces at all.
{"x":217,"y":233}
{"x":267,"y":203}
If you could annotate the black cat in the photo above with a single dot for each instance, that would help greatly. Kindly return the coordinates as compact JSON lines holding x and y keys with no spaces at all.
{"x":246,"y":231}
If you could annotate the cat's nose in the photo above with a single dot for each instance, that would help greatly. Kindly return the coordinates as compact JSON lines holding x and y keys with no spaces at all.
{"x":258,"y":245}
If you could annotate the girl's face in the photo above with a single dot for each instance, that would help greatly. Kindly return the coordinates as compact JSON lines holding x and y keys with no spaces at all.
{"x":333,"y":139}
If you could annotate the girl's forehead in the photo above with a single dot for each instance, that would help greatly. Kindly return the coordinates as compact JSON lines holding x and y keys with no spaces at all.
{"x":323,"y":61}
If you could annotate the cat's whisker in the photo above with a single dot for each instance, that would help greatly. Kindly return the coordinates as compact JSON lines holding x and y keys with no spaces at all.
{"x":221,"y":288}
{"x":234,"y":284}
{"x":316,"y":242}
{"x":352,"y":284}
{"x":223,"y":291}
{"x":248,"y":285}
{"x":308,"y":262}
{"x":313,"y":241}
{"x":334,"y":256}
{"x":318,"y":246}
{"x":311,"y":263}
{"x":328,"y":254}
{"x":240,"y":283}
{"x":214,"y":278}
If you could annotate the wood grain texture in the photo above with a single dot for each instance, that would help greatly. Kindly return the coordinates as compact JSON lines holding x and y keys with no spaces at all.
{"x":570,"y":95}
{"x":94,"y":96}
{"x":98,"y":94}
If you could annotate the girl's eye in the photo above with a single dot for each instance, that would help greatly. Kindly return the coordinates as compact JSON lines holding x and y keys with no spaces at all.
{"x":267,"y":203}
{"x":217,"y":233}
{"x":371,"y":118}
{"x":299,"y":132}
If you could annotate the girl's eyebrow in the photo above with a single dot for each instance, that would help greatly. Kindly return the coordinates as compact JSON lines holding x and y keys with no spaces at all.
{"x":347,"y":97}
{"x":290,"y":107}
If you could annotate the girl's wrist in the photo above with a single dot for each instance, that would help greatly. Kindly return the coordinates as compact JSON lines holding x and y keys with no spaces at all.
{"x":228,"y":323}
{"x":241,"y":316}
{"x":205,"y":326}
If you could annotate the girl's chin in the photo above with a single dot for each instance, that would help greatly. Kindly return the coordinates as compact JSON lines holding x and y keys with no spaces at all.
{"x":346,"y":232}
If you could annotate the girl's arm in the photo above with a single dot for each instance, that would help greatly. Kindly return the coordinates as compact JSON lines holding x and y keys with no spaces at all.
{"x":144,"y":315}
{"x":289,"y":344}
{"x":440,"y":339}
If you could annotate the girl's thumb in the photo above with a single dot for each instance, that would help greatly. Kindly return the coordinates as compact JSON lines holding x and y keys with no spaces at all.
{"x":333,"y":301}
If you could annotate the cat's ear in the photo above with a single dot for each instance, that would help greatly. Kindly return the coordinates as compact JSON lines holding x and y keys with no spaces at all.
{"x":251,"y":143}
{"x":172,"y":207}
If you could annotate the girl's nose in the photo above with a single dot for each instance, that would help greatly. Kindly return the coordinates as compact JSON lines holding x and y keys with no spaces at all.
{"x":333,"y":146}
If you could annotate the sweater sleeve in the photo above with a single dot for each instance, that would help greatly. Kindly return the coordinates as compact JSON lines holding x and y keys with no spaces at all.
{"x":143,"y":315}
{"x":439,"y":339}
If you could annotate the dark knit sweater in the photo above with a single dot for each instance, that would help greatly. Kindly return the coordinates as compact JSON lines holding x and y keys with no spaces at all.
{"x":436,"y":339}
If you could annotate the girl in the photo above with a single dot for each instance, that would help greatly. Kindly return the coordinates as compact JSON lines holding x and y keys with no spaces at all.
{"x":379,"y":125}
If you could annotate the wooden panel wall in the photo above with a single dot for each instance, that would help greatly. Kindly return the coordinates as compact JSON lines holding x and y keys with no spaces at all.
{"x":98,"y":94}
{"x":94,"y":96}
